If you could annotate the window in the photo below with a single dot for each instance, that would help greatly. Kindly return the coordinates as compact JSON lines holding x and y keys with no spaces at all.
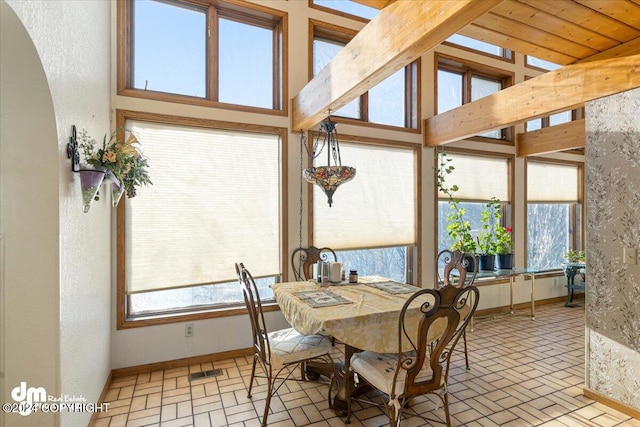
{"x":552,"y":120}
{"x":480,"y":46}
{"x":356,"y":10}
{"x":172,"y":54}
{"x":181,"y":237}
{"x":372,"y":223}
{"x":532,"y":61}
{"x":459,"y":84}
{"x":554,"y":213}
{"x":393,"y":102}
{"x":479,"y":179}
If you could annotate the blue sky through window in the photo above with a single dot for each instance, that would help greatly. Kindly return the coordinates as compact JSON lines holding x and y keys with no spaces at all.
{"x":169,"y":48}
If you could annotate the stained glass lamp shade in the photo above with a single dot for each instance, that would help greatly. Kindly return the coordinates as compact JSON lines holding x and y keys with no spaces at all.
{"x":329,"y":177}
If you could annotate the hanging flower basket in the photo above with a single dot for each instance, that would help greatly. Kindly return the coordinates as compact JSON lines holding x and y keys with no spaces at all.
{"x":90,"y":181}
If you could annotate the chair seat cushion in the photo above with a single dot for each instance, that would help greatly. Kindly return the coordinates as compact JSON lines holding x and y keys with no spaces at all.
{"x":379,"y":369}
{"x":290,"y":346}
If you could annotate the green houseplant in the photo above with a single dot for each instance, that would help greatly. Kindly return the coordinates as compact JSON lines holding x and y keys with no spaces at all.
{"x":574,"y":256}
{"x":487,"y":240}
{"x":503,"y":247}
{"x":458,"y":227}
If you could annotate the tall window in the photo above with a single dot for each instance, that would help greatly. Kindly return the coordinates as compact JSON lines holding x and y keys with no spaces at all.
{"x":215,"y":201}
{"x":480,"y":46}
{"x":479,"y":179}
{"x":554,"y":213}
{"x":348,"y":7}
{"x":552,"y":120}
{"x":458,"y":84}
{"x":533,"y":62}
{"x":372,"y":223}
{"x":172,"y":53}
{"x":393,"y":102}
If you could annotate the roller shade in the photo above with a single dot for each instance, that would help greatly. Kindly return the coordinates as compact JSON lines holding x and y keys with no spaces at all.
{"x":547,"y":182}
{"x":376,"y":208}
{"x":478,"y":178}
{"x":214,"y":201}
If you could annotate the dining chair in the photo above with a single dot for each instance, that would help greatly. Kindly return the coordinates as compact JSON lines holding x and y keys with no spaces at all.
{"x":280,"y":352}
{"x":430,"y":325}
{"x":303,"y":260}
{"x":458,"y":269}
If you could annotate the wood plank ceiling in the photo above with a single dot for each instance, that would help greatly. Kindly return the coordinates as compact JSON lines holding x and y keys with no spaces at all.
{"x":560,"y":31}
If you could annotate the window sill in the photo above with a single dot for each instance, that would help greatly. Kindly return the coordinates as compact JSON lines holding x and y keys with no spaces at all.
{"x":212,"y":313}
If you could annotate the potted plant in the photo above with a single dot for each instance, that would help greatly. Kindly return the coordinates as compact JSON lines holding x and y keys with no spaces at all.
{"x":575,"y":257}
{"x":458,"y":228}
{"x":489,"y":220}
{"x":503,"y":247}
{"x":121,"y":158}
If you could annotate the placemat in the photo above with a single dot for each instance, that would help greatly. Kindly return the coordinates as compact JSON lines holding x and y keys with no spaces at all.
{"x":393,"y":287}
{"x":321,"y":298}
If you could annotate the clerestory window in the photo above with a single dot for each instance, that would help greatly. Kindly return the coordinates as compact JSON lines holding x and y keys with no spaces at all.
{"x":392,"y":102}
{"x":204,"y":53}
{"x":459,"y":83}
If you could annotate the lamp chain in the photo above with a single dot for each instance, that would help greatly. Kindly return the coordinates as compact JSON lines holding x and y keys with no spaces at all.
{"x":303,"y":142}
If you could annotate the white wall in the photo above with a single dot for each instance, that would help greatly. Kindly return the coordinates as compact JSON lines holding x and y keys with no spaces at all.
{"x":28,"y":220}
{"x":69,"y":250}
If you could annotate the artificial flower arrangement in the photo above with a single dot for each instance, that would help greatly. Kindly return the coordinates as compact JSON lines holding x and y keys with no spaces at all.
{"x":120,"y":158}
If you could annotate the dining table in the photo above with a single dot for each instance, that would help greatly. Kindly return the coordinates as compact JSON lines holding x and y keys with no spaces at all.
{"x":362,"y":316}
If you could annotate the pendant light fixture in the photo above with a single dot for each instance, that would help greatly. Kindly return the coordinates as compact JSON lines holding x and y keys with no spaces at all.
{"x":333,"y":174}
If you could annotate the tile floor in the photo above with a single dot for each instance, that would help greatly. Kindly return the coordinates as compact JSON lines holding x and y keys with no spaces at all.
{"x":523,"y":373}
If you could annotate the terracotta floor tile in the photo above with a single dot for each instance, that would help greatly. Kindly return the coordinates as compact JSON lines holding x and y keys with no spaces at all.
{"x":522,"y":373}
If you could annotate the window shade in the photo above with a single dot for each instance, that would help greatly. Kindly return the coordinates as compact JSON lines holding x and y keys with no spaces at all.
{"x":548,"y":182}
{"x":478,"y":178}
{"x":214,"y":201}
{"x":376,"y":208}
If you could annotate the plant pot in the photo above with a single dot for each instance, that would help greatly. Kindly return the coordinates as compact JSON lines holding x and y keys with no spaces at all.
{"x":90,"y":181}
{"x":116,"y":194}
{"x":505,"y":261}
{"x":469,"y":264}
{"x":487,"y":262}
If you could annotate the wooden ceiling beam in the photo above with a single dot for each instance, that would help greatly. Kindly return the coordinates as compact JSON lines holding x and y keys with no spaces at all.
{"x":402,"y":32}
{"x":549,"y":93}
{"x":566,"y":136}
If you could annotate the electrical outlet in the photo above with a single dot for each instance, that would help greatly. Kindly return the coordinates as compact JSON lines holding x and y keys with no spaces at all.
{"x":629,"y":256}
{"x":188,"y":330}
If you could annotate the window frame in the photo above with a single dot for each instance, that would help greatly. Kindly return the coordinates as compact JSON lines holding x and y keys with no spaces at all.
{"x":412,"y":84}
{"x":247,"y":13}
{"x":123,"y":321}
{"x":576,"y":234}
{"x":468,"y":69}
{"x":413,"y":267}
